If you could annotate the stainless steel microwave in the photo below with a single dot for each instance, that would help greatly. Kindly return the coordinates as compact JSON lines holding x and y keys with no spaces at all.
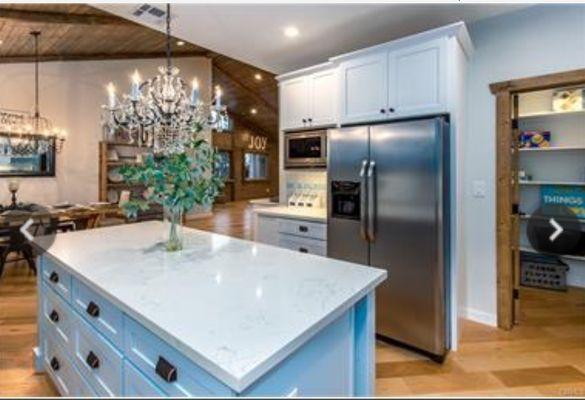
{"x":307,"y":149}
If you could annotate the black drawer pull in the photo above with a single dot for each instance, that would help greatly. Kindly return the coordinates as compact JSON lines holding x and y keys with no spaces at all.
{"x":55,"y":364}
{"x":92,"y":360}
{"x":303,"y":228}
{"x":303,"y":250}
{"x":166,"y":370}
{"x":54,"y":316}
{"x":93,"y":309}
{"x":54,"y":277}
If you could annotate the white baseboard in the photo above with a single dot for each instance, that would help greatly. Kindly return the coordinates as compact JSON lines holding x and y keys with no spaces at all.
{"x":480,"y":316}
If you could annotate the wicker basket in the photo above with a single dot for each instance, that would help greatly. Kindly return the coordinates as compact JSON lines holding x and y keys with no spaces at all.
{"x":543,"y":271}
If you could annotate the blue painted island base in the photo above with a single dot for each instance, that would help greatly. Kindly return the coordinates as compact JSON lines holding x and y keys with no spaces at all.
{"x":90,"y":347}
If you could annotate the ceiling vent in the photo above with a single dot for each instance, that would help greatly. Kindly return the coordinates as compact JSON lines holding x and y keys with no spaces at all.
{"x":149,"y":13}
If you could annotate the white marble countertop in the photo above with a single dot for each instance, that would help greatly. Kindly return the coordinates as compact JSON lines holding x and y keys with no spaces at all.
{"x":234,"y":307}
{"x":306,"y":214}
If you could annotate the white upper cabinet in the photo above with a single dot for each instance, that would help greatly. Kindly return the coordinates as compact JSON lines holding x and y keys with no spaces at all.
{"x":364,"y":88}
{"x":309,"y":100}
{"x":294,"y":108}
{"x":396,"y":83}
{"x":417,"y":79}
{"x":323,"y":98}
{"x":407,"y":77}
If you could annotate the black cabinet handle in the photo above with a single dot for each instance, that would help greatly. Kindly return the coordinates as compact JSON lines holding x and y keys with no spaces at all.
{"x":383,"y":111}
{"x":55,"y":364}
{"x":54,"y":316}
{"x":54,"y":277}
{"x":310,"y":119}
{"x":391,"y":109}
{"x":303,"y":228}
{"x":93,"y":309}
{"x":303,"y":250}
{"x":92,"y":360}
{"x":166,"y":370}
{"x":304,"y":121}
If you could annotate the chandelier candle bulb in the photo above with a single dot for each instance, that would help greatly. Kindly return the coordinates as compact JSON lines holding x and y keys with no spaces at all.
{"x":194,"y":92}
{"x":135,"y":88}
{"x":111,"y":95}
{"x":218,"y":94}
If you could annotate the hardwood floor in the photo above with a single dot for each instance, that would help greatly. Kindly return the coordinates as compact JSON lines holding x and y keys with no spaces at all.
{"x":543,"y":356}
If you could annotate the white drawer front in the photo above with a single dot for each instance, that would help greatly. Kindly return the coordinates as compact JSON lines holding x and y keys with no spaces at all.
{"x":313,"y":230}
{"x":138,"y":385}
{"x":56,"y":316}
{"x":99,"y":312}
{"x":303,"y":245}
{"x":62,"y":371}
{"x":57,"y":278}
{"x":98,"y":360}
{"x":175,"y":374}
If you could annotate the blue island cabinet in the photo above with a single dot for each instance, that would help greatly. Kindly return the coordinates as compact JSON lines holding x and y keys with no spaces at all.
{"x":90,"y":347}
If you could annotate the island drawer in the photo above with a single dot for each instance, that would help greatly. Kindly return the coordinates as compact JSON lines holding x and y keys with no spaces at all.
{"x":303,"y":245}
{"x":56,"y":316}
{"x":57,"y":278}
{"x":175,"y":374}
{"x":99,"y":312}
{"x":63,"y":372}
{"x":313,"y":230}
{"x":138,"y":385}
{"x":99,"y":362}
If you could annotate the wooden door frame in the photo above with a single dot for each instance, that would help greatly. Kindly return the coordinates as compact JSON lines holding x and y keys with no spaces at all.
{"x":505,"y":179}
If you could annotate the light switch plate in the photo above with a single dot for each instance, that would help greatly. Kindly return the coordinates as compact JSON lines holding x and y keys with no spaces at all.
{"x":479,"y":189}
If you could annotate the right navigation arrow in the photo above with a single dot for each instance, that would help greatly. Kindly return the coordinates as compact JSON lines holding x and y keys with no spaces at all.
{"x":558,"y":229}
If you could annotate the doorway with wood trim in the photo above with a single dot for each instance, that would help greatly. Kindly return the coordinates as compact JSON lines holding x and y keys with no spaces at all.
{"x":531,"y":123}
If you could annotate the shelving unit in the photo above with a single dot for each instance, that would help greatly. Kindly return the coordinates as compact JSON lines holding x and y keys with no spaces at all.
{"x":564,"y":256}
{"x":127,"y":155}
{"x":560,"y":164}
{"x":555,"y":183}
{"x":547,"y":149}
{"x":549,"y":113}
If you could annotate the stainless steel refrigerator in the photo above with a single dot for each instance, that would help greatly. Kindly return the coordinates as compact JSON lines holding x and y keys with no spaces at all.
{"x":388,"y":208}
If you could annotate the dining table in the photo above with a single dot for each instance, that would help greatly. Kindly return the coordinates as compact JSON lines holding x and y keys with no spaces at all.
{"x":45,"y":220}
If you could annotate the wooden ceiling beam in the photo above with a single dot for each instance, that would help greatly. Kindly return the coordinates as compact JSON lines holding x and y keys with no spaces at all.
{"x":252,"y":93}
{"x":95,"y":56}
{"x":48,"y":17}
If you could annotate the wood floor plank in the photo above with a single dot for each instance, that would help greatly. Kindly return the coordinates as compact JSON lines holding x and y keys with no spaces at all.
{"x":540,"y":376}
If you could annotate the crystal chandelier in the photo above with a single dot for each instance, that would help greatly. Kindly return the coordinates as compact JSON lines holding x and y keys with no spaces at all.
{"x":27,"y":134}
{"x":158,"y":112}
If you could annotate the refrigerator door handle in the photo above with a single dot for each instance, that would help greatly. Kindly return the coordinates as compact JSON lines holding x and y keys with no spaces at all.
{"x":363,"y":201}
{"x":371,"y":185}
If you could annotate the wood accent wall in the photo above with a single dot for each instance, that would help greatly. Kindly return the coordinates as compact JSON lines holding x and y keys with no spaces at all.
{"x":236,"y":142}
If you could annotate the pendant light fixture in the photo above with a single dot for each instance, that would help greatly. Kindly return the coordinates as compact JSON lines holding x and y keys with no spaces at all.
{"x":28,"y":134}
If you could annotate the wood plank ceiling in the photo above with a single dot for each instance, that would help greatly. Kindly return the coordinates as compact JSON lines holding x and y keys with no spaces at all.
{"x":81,"y":32}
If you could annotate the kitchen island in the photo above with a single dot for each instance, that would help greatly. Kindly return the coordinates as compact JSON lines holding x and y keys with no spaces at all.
{"x":118,"y":316}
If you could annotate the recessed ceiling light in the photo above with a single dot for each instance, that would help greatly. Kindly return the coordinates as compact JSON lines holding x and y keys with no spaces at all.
{"x":253,"y":111}
{"x":258,"y":76}
{"x":1,"y":41}
{"x":291,"y":31}
{"x":180,"y":43}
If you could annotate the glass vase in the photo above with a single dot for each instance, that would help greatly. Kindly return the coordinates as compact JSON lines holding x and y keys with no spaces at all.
{"x":174,"y":227}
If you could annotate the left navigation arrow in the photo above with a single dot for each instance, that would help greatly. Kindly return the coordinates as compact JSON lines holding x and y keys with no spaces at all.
{"x":24,"y":229}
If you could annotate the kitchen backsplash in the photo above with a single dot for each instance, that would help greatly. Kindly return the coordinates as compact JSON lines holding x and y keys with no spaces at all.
{"x":315,"y":181}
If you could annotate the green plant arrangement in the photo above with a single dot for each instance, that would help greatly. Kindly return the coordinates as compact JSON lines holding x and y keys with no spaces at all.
{"x":178,"y":182}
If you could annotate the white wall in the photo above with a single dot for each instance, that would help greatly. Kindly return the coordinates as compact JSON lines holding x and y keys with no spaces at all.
{"x":71,"y":95}
{"x":539,"y":40}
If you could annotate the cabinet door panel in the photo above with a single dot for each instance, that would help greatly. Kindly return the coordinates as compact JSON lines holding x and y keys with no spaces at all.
{"x":364,"y":88}
{"x":293,"y":103}
{"x":417,"y":78}
{"x":323,"y":98}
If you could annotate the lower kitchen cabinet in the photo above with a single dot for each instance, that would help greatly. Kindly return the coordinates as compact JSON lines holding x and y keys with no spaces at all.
{"x":292,"y":233}
{"x":83,"y":359}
